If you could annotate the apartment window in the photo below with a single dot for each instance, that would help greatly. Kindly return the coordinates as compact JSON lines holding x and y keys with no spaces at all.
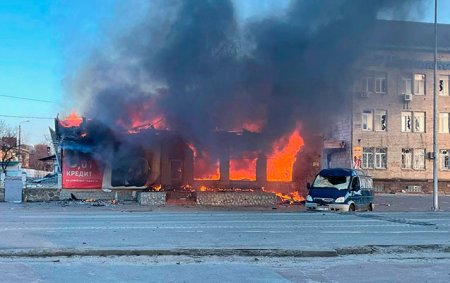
{"x":419,"y":122}
{"x":380,"y":120}
{"x":444,"y":159}
{"x":367,"y":120}
{"x":443,"y":86}
{"x":381,"y":158}
{"x":368,"y":84}
{"x":419,"y":159}
{"x":419,"y":84}
{"x":406,"y":121}
{"x":444,"y":123}
{"x":380,"y":83}
{"x":406,"y":84}
{"x":367,"y":158}
{"x":406,"y":158}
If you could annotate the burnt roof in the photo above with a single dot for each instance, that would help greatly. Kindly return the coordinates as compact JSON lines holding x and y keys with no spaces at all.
{"x":410,"y":35}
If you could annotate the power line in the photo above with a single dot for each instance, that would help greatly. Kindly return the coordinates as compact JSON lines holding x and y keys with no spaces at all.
{"x":27,"y":117}
{"x":29,"y":99}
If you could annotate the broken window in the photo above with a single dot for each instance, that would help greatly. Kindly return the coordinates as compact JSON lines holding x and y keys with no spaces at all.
{"x":406,"y":158}
{"x":419,"y":159}
{"x":380,"y":158}
{"x":406,"y":84}
{"x":367,"y":158}
{"x":419,"y":122}
{"x":367,"y":120}
{"x":406,"y":121}
{"x":338,"y":182}
{"x":444,"y":123}
{"x":444,"y":159}
{"x":443,"y":86}
{"x":419,"y":84}
{"x":380,"y":83}
{"x":380,"y":120}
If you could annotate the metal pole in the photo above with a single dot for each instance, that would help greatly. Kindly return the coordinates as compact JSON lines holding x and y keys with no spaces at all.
{"x":435,"y":148}
{"x":20,"y":153}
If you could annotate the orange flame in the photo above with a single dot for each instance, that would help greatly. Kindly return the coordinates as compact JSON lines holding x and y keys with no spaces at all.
{"x":281,"y":162}
{"x":156,"y":188}
{"x":254,"y":127}
{"x":142,"y":116}
{"x":73,"y":120}
{"x":291,"y":198}
{"x":243,"y":169}
{"x":206,"y":169}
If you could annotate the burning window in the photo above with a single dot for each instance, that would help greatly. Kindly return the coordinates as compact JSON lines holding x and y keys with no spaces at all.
{"x":132,"y":171}
{"x":206,"y":169}
{"x":284,"y":154}
{"x":243,"y":169}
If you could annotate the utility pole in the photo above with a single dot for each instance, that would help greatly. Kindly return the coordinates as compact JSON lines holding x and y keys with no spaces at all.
{"x":435,"y":120}
{"x":20,"y":145}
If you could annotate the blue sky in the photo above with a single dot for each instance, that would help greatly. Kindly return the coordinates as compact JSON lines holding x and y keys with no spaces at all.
{"x":42,"y":41}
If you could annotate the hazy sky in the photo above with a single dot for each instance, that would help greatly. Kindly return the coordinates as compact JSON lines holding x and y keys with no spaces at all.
{"x":42,"y":41}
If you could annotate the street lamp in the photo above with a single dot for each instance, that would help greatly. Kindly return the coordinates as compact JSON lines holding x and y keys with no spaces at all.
{"x":435,"y":145}
{"x":20,"y":145}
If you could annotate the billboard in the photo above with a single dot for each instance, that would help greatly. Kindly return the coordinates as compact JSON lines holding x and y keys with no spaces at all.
{"x":357,"y":156}
{"x":80,"y":171}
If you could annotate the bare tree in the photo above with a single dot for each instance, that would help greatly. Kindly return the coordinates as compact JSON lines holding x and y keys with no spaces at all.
{"x":8,"y":144}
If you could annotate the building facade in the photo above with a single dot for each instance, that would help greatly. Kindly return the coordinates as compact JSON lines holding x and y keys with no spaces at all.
{"x":389,"y":132}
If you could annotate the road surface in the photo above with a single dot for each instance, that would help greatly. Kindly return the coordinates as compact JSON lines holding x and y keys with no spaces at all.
{"x":374,"y":268}
{"x":23,"y":227}
{"x":410,"y":246}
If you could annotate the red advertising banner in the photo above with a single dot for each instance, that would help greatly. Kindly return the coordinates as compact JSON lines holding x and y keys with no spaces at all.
{"x":80,"y":171}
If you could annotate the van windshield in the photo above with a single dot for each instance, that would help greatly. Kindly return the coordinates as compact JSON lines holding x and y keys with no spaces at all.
{"x":338,"y":182}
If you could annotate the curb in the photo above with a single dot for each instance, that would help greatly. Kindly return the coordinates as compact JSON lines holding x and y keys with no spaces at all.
{"x":364,"y":250}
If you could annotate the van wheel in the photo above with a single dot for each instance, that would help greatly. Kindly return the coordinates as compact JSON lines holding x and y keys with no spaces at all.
{"x":351,"y":207}
{"x":370,"y":207}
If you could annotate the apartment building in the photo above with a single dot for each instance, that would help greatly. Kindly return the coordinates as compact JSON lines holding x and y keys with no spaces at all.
{"x":389,"y":131}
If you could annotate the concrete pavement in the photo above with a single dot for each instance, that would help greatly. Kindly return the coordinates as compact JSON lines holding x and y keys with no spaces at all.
{"x":416,"y":267}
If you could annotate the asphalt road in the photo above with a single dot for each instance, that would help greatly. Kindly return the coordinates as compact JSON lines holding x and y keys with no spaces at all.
{"x":49,"y":227}
{"x":26,"y":227}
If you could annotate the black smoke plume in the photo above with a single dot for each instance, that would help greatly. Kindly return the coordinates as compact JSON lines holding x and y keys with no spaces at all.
{"x":204,"y":70}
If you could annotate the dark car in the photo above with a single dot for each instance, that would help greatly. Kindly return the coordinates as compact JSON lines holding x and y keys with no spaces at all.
{"x":340,"y":189}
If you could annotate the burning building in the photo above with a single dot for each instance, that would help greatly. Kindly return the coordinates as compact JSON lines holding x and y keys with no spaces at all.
{"x":146,"y":158}
{"x":192,"y":96}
